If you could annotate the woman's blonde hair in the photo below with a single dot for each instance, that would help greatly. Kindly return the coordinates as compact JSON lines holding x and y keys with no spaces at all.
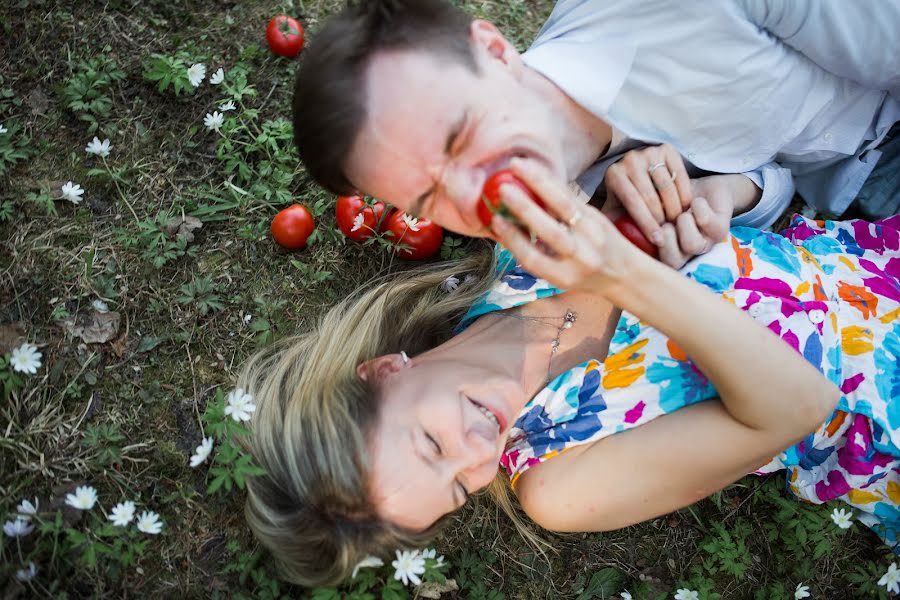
{"x":312,"y":509}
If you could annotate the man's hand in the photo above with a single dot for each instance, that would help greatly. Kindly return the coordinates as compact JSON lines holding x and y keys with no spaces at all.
{"x":704,"y":224}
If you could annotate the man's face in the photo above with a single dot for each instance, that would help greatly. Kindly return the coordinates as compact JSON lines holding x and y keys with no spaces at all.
{"x":436,"y":130}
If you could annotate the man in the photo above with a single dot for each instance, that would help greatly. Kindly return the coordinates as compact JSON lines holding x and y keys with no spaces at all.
{"x":695,"y":112}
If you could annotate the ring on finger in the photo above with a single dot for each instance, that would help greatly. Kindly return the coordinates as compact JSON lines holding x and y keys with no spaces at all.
{"x":573,"y":220}
{"x":669,"y":182}
{"x":656,"y":166}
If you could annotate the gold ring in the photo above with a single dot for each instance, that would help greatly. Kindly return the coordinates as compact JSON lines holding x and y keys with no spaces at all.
{"x":573,"y":220}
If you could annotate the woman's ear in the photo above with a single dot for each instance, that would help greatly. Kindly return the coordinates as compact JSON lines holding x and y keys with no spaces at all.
{"x":375,"y":370}
{"x":487,"y":37}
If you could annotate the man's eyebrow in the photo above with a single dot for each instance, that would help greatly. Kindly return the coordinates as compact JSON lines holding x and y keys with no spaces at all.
{"x":452,"y":135}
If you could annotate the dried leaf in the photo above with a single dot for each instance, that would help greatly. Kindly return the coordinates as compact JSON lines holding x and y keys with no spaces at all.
{"x":183,"y":227}
{"x":94,"y":327}
{"x":433,"y":589}
{"x":11,"y":335}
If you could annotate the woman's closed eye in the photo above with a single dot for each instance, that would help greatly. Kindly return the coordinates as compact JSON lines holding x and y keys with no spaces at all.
{"x":463,"y":492}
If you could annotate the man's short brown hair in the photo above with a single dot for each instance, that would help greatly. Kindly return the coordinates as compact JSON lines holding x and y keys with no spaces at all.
{"x":329,"y":94}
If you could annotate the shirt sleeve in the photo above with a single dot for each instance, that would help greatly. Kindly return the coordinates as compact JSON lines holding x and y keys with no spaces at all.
{"x":854,"y":39}
{"x":777,"y":187}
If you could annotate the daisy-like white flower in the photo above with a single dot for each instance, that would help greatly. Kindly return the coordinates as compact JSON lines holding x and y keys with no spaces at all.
{"x":99,"y":148}
{"x":891,"y":579}
{"x":247,"y":318}
{"x":228,"y":106}
{"x":214,"y":120}
{"x":26,"y":359}
{"x":3,"y":129}
{"x":470,"y":279}
{"x":100,"y":306}
{"x":202,"y":452}
{"x":26,"y":509}
{"x":122,"y":513}
{"x":149,"y":522}
{"x":842,"y":518}
{"x":801,"y":592}
{"x":411,"y":222}
{"x":18,"y":528}
{"x":239,"y":405}
{"x":217,"y":77}
{"x":196,"y":74}
{"x":358,"y":222}
{"x":686,"y":594}
{"x":84,"y":498}
{"x":626,"y":595}
{"x":72,"y":192}
{"x":450,"y":284}
{"x":25,"y":575}
{"x":369,"y":561}
{"x":408,"y":566}
{"x":432,"y":553}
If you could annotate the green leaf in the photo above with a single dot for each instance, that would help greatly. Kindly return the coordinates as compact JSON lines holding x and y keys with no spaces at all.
{"x":603,"y":584}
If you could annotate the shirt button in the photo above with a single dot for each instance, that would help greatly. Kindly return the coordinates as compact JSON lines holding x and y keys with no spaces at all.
{"x":816,"y":316}
{"x":827,"y":137}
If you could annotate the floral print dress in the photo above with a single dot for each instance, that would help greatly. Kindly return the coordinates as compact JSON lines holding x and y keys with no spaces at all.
{"x":829,"y":289}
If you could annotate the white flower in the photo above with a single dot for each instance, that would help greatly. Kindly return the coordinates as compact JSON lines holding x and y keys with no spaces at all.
{"x":842,"y":518}
{"x":247,"y":318}
{"x":626,"y":595}
{"x":3,"y":129}
{"x":432,"y":553}
{"x":196,"y":74}
{"x":450,"y":284}
{"x":122,"y":513}
{"x":409,"y":565}
{"x":27,"y":574}
{"x":801,"y":592}
{"x":149,"y":522}
{"x":99,"y":148}
{"x":84,"y":498}
{"x":72,"y":192}
{"x":18,"y":528}
{"x":26,"y":359}
{"x":891,"y":579}
{"x":218,"y":77}
{"x":358,"y":222}
{"x":202,"y":452}
{"x":369,"y":561}
{"x":686,"y":594}
{"x":214,"y":120}
{"x":228,"y":106}
{"x":100,"y":306}
{"x":26,"y":509}
{"x":240,"y":405}
{"x":411,"y":222}
{"x":470,"y":279}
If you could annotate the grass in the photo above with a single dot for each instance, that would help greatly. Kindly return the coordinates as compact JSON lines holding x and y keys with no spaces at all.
{"x":125,"y":414}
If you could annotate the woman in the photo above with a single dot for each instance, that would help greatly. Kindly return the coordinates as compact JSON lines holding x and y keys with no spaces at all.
{"x":380,"y":421}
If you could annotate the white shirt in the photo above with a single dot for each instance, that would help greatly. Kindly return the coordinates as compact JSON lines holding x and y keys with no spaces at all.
{"x":759,"y":87}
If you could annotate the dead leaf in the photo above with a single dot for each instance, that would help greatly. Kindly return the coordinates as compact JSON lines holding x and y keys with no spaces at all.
{"x":94,"y":327}
{"x":38,"y":102}
{"x":433,"y":589}
{"x":11,"y":335}
{"x":183,"y":227}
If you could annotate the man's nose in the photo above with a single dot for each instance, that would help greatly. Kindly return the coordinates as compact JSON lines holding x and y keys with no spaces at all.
{"x":462,"y":186}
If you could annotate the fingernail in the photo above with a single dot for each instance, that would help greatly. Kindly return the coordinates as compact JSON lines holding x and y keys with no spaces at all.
{"x":656,"y":237}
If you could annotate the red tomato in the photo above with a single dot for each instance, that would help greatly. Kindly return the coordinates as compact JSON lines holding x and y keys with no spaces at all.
{"x":423,"y":243}
{"x":349,"y":208}
{"x":285,"y":36}
{"x":293,"y":226}
{"x":490,"y":195}
{"x":629,"y":229}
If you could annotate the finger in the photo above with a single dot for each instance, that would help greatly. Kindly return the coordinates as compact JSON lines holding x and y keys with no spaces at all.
{"x":682,"y":179}
{"x":526,"y":253}
{"x":712,"y":221}
{"x":612,"y":206}
{"x":618,"y":183}
{"x":690,"y":240}
{"x":551,"y":232}
{"x":661,"y":178}
{"x":640,"y":179}
{"x":669,"y":251}
{"x":556,"y":196}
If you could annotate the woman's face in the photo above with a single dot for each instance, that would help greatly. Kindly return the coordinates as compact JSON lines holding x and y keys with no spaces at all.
{"x":443,"y":425}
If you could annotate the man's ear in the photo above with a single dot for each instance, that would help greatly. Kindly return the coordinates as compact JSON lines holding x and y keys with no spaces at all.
{"x":488,"y":38}
{"x":377,"y":369}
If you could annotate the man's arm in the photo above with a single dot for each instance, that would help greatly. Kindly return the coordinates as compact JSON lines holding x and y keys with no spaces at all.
{"x":854,"y":39}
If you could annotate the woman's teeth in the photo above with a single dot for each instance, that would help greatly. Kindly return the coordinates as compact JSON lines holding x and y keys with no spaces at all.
{"x":490,"y":416}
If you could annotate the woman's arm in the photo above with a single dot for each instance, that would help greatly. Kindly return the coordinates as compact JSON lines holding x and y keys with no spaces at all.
{"x":771,"y":396}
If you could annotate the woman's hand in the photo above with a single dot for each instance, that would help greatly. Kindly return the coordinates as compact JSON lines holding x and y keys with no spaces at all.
{"x":581,"y":250}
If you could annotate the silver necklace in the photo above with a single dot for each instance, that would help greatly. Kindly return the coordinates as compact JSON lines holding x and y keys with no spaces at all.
{"x":567,"y":321}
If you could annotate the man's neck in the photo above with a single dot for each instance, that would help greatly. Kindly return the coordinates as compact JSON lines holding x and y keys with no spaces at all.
{"x":584,"y":137}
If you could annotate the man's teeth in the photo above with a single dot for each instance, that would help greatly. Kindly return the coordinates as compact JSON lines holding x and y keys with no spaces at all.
{"x":489,"y":415}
